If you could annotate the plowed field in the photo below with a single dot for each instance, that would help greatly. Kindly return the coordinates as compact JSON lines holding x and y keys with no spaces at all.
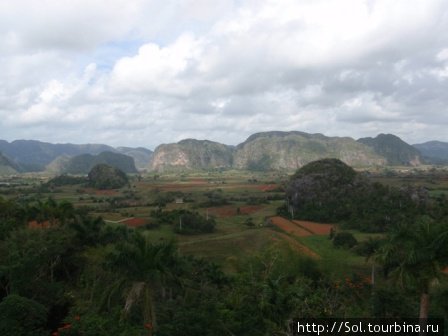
{"x":315,"y":228}
{"x":290,"y":227}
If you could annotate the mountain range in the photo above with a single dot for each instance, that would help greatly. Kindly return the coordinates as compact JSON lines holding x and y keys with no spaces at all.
{"x":35,"y":156}
{"x":261,"y":151}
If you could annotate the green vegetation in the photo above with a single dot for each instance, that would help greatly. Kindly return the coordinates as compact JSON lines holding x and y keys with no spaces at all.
{"x":330,"y":191}
{"x":82,"y":164}
{"x":103,"y":176}
{"x":22,"y":316}
{"x":64,"y":179}
{"x":344,"y":239}
{"x":396,"y":151}
{"x":200,"y":253}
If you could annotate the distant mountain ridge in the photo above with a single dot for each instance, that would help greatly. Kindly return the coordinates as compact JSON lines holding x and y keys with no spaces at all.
{"x":276,"y":150}
{"x":263,"y":151}
{"x":434,"y":151}
{"x":33,"y":155}
{"x":396,"y":151}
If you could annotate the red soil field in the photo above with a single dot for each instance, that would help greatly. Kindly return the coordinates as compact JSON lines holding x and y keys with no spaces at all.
{"x":229,"y":211}
{"x":134,"y":222}
{"x":316,"y":228}
{"x":267,"y":187}
{"x":289,"y":227}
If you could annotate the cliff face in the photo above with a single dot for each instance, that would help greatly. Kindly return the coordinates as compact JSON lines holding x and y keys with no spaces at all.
{"x":191,"y":154}
{"x":292,"y":150}
{"x":396,"y":151}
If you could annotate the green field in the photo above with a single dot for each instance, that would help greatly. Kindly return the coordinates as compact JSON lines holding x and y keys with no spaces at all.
{"x":235,"y":196}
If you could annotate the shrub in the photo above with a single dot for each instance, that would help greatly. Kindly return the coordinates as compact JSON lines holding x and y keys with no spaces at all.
{"x":344,"y":239}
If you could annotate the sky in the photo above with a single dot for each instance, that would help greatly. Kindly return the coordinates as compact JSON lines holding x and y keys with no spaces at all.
{"x":146,"y":72}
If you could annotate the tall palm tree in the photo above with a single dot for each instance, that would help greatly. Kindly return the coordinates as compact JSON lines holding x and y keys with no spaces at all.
{"x":415,"y":255}
{"x":371,"y":247}
{"x":146,"y":267}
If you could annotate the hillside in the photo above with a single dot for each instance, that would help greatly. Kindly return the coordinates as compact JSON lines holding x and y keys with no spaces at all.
{"x":396,"y":151}
{"x":142,"y":156}
{"x":82,"y":164}
{"x":7,"y":166}
{"x":191,"y":154}
{"x":292,"y":150}
{"x":434,"y":151}
{"x":103,"y":176}
{"x":34,"y":155}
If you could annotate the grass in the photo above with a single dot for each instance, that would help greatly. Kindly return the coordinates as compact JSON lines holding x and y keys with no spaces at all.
{"x":337,"y":262}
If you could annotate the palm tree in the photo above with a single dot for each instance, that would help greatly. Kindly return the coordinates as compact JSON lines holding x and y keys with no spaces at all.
{"x":146,"y":267}
{"x":415,"y":255}
{"x":371,"y":247}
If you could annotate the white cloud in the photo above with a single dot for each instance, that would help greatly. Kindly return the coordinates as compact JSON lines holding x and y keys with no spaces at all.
{"x":162,"y":70}
{"x":66,"y":24}
{"x":221,"y":69}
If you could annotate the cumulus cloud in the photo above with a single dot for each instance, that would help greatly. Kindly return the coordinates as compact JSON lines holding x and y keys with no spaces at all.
{"x":145,"y":72}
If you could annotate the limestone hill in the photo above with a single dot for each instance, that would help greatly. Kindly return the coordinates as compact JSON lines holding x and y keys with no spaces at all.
{"x":82,"y":164}
{"x":191,"y":154}
{"x":396,"y":151}
{"x":292,"y":150}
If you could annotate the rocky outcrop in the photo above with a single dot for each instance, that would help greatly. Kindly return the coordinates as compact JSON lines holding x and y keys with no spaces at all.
{"x":191,"y":154}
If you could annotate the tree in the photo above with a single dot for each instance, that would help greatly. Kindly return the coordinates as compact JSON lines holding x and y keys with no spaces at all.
{"x":103,"y":176}
{"x":147,"y":267}
{"x":369,"y":248}
{"x":22,"y":316}
{"x":415,"y":256}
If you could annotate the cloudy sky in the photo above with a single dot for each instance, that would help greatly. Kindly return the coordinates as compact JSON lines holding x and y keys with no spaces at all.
{"x":145,"y":72}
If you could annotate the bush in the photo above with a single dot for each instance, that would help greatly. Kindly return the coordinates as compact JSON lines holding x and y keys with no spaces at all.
{"x":344,"y":239}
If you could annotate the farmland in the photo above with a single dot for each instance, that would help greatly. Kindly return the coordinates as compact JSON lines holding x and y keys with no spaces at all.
{"x":205,"y":240}
{"x":243,"y":204}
